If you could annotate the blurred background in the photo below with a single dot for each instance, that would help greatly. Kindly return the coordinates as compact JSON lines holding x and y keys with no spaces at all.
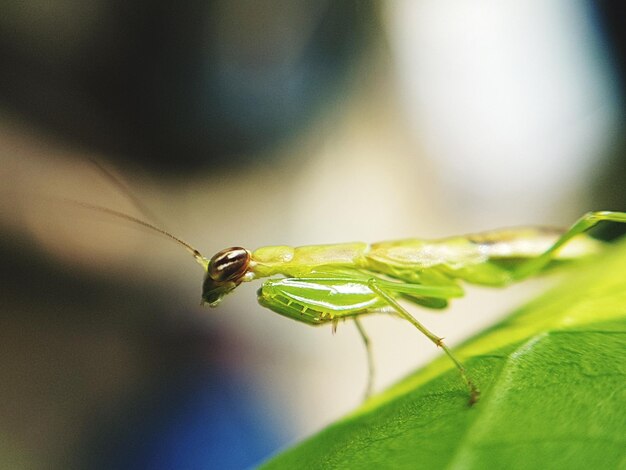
{"x":258,"y":123}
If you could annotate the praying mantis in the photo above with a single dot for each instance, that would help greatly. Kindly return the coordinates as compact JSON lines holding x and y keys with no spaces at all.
{"x":323,"y":284}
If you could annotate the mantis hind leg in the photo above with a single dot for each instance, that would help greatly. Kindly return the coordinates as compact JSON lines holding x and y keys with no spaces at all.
{"x":374,"y":285}
{"x":370,"y":358}
{"x":587,"y":221}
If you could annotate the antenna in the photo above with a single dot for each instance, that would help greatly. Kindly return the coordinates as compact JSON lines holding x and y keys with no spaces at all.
{"x":126,"y":191}
{"x":202,"y":261}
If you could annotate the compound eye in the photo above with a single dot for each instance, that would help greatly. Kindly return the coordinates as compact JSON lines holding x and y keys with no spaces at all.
{"x":229,"y":264}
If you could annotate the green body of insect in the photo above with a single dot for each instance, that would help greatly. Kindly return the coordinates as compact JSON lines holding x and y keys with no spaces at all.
{"x":332,"y":280}
{"x":323,"y":284}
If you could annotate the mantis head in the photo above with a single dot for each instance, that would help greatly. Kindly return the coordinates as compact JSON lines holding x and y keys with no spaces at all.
{"x":225,"y":271}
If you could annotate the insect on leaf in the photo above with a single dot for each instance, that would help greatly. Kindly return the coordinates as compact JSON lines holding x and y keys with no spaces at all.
{"x":553,"y":382}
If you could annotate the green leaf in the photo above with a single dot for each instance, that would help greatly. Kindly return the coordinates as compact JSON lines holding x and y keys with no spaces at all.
{"x":553,"y":383}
